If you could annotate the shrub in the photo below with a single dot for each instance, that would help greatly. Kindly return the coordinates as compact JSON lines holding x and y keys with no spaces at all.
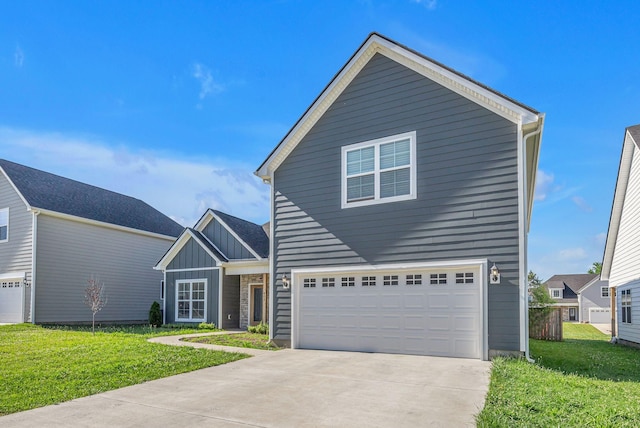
{"x":207,"y":326}
{"x":261,"y":328}
{"x":155,"y":315}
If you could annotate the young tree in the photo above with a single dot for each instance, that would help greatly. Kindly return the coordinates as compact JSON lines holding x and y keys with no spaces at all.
{"x":539,"y":296}
{"x":95,"y":298}
{"x":596,"y":267}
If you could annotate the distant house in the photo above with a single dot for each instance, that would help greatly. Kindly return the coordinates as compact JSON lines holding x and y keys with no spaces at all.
{"x":217,"y":272}
{"x":621,"y":264}
{"x":57,"y":233}
{"x":582,"y":297}
{"x":393,"y":197}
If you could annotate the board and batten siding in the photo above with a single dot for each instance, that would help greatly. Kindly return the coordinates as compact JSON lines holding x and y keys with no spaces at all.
{"x":231,"y":301}
{"x":225,"y":241}
{"x":625,"y":266}
{"x":629,"y":332}
{"x":213,"y":280}
{"x":69,"y":253}
{"x":467,"y":191}
{"x":191,"y":256}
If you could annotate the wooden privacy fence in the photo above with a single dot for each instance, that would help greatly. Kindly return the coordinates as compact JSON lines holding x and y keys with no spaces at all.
{"x":545,"y":323}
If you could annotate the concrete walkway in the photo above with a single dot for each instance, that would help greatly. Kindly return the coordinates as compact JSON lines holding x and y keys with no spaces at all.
{"x":288,"y":388}
{"x":177,"y":341}
{"x":605,"y":328}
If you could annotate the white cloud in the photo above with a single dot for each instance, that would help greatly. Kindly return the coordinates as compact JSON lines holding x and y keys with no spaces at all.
{"x":207,"y":85}
{"x":582,"y":204}
{"x":544,"y":183}
{"x":18,"y":57}
{"x":429,"y":4}
{"x":572,"y":254}
{"x":180,"y":187}
{"x":601,"y":238}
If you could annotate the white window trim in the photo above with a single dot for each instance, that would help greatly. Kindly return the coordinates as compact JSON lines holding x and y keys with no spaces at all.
{"x":7,"y":211}
{"x":376,"y":170}
{"x":191,"y":281}
{"x":553,"y":290}
{"x":602,"y":291}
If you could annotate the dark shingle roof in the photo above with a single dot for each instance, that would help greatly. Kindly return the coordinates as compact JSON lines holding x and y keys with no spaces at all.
{"x":571,"y":283}
{"x":635,"y":133}
{"x":207,"y":244}
{"x":250,"y":233}
{"x":54,"y":193}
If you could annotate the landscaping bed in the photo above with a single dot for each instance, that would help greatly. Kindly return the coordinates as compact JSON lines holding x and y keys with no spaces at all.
{"x":582,"y":381}
{"x":48,"y":365}
{"x":240,"y":340}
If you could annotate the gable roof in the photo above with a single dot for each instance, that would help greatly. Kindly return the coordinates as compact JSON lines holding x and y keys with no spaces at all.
{"x":571,"y":283}
{"x":631,"y":142}
{"x":531,"y":120}
{"x":251,"y":235}
{"x":49,"y":192}
{"x":187,"y":234}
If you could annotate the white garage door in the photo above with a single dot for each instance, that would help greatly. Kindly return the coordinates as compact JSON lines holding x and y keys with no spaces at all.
{"x":422,"y":312}
{"x":599,"y":315}
{"x":11,"y":300}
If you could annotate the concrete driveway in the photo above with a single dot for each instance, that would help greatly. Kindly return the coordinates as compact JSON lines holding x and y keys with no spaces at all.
{"x":288,"y":388}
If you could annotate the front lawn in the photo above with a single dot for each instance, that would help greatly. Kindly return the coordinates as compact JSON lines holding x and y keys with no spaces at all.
{"x":240,"y":340}
{"x":48,"y":365}
{"x":583,"y":381}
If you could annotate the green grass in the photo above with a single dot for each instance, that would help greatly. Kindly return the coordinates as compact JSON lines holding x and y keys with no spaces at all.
{"x":48,"y":365}
{"x":241,"y":340}
{"x":583,"y":381}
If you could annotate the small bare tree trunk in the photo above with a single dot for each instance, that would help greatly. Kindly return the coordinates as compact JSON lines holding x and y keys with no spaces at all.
{"x":95,"y":299}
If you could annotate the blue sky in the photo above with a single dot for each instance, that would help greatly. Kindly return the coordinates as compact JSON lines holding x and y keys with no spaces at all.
{"x":177,"y":103}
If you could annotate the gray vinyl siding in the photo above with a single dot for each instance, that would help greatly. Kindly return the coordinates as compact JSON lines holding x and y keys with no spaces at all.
{"x":467,"y":191}
{"x":226,"y":242}
{"x":69,"y":253}
{"x":592,"y":298}
{"x":191,"y":256}
{"x":231,"y":301}
{"x":15,"y":254}
{"x":213,"y":280}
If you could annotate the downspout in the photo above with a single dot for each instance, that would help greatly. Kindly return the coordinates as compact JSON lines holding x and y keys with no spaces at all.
{"x":164,"y":295}
{"x":526,"y":232}
{"x":34,"y":241}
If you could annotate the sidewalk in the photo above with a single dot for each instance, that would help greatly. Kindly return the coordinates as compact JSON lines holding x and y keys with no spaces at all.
{"x":177,"y":341}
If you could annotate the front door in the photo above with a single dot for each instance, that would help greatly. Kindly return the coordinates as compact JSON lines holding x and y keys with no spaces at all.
{"x":255,"y":309}
{"x":572,"y":314}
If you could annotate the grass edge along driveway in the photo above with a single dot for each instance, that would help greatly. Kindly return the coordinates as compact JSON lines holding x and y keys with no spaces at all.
{"x":583,"y":381}
{"x":43,"y":366}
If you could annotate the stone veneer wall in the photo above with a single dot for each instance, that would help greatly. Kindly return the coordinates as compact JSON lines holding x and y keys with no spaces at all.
{"x":245,"y":281}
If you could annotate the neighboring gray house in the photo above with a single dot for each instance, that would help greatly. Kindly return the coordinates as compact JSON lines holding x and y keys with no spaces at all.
{"x":57,"y":233}
{"x":621,"y":264}
{"x":217,"y":272}
{"x":393,"y":196}
{"x":582,"y":297}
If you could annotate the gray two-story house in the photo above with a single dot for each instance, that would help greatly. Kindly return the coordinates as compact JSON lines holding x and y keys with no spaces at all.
{"x":401,"y":202}
{"x":56,"y":234}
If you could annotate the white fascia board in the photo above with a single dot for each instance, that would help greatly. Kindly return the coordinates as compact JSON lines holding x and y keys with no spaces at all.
{"x":13,"y":275}
{"x":246,"y":267}
{"x":204,"y":220}
{"x":15,"y":189}
{"x":588,"y":284}
{"x":101,"y":224}
{"x":376,"y":44}
{"x":624,"y":171}
{"x":177,"y":246}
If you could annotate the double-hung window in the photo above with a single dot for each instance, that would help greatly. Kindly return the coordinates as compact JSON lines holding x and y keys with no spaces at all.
{"x":379,"y":171}
{"x":4,"y":225}
{"x":625,"y":306}
{"x":191,"y":298}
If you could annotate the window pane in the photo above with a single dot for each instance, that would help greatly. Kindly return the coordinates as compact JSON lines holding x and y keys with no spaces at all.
{"x":360,"y":160}
{"x":359,"y":188}
{"x":394,"y":183}
{"x":197,"y":310}
{"x":3,"y":233}
{"x":395,"y":154}
{"x":4,"y":217}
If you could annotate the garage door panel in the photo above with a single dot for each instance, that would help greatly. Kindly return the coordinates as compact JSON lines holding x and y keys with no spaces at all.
{"x":410,"y":317}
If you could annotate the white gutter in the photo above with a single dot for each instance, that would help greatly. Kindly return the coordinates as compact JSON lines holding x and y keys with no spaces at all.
{"x":34,"y":242}
{"x":523,"y":243}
